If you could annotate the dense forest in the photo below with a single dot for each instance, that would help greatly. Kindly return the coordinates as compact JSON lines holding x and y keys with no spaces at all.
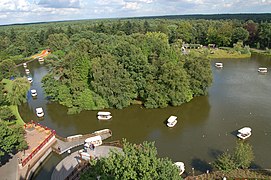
{"x":113,"y":63}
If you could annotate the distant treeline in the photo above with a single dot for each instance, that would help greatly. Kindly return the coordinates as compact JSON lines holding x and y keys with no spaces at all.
{"x":242,"y":16}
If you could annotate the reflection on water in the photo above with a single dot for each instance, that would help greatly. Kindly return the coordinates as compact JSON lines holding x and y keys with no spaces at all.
{"x":238,"y":97}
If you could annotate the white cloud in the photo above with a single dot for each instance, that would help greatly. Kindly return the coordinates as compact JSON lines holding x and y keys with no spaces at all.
{"x":131,"y":5}
{"x":14,"y":5}
{"x":60,"y":3}
{"x":15,"y":11}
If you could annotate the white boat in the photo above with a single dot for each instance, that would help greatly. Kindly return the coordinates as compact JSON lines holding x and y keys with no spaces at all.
{"x":262,"y":70}
{"x":24,"y":65}
{"x":172,"y":121}
{"x":244,"y":132}
{"x":104,"y":115}
{"x":95,"y":140}
{"x":180,"y":166}
{"x":41,"y":59}
{"x":30,"y":79}
{"x":27,"y":71}
{"x":219,"y":65}
{"x":39,"y":112}
{"x":33,"y":92}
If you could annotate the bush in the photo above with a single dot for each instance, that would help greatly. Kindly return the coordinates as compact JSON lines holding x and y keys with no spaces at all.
{"x":6,"y":113}
{"x":240,"y":159}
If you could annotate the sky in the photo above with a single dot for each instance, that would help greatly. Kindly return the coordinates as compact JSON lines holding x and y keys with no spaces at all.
{"x":26,"y":11}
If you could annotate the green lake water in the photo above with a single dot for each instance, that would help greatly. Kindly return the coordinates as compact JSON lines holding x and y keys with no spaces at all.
{"x":239,"y":96}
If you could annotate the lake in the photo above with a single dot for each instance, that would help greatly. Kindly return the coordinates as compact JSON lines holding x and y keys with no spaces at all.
{"x":239,"y":96}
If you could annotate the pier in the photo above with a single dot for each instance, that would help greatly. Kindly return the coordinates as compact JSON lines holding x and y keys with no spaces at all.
{"x":42,"y":141}
{"x":62,"y":145}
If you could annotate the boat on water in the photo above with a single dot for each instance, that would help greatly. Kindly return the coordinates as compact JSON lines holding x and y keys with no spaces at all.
{"x":172,"y":121}
{"x":33,"y":92}
{"x":262,"y":70}
{"x":27,"y":71}
{"x":104,"y":115}
{"x":95,"y":140}
{"x":180,"y":166}
{"x":24,"y":65}
{"x":41,"y":59}
{"x":39,"y":112}
{"x":244,"y":133}
{"x":219,"y":65}
{"x":30,"y":79}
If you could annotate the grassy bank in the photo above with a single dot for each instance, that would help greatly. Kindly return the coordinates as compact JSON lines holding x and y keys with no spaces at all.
{"x":262,"y":52}
{"x":230,"y":53}
{"x":14,"y":108}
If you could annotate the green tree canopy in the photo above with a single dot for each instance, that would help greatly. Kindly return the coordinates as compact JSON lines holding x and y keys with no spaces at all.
{"x":240,"y":158}
{"x":11,"y":139}
{"x":135,"y":162}
{"x":18,"y":93}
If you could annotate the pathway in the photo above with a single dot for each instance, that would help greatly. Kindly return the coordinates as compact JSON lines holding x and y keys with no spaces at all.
{"x":67,"y":165}
{"x":9,"y":170}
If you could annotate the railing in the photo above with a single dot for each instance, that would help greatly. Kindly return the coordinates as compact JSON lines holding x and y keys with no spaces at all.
{"x":36,"y":150}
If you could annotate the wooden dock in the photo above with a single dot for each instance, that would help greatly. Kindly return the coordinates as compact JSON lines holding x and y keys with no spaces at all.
{"x":62,"y":145}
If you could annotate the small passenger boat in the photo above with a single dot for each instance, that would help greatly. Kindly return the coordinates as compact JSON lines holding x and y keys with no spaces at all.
{"x":172,"y":121}
{"x":244,"y":132}
{"x":180,"y":166}
{"x":30,"y":79}
{"x":104,"y":115}
{"x":40,"y":59}
{"x":39,"y":112}
{"x":262,"y":70}
{"x":33,"y":92}
{"x":219,"y":65}
{"x":27,"y":71}
{"x":95,"y":140}
{"x":24,"y":65}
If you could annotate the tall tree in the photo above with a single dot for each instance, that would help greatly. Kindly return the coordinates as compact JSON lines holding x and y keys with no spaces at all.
{"x":112,"y":81}
{"x":11,"y":139}
{"x":19,"y":89}
{"x":58,"y":41}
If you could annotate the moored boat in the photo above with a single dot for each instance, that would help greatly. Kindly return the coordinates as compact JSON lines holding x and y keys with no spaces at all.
{"x":219,"y":65}
{"x":104,"y":115}
{"x":172,"y":121}
{"x":27,"y":71}
{"x":95,"y":140}
{"x":180,"y":166}
{"x":244,"y":133}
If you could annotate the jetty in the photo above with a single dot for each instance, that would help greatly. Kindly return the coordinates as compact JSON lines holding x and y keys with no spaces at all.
{"x":62,"y":145}
{"x":42,"y":141}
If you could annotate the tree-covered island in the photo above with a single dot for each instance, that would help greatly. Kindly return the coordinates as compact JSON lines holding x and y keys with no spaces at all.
{"x":111,"y":71}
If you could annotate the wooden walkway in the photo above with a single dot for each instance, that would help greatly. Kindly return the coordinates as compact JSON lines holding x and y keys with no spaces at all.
{"x":62,"y":145}
{"x":68,"y":164}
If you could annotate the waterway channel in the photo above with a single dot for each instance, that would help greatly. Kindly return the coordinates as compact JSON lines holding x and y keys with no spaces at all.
{"x":239,"y":96}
